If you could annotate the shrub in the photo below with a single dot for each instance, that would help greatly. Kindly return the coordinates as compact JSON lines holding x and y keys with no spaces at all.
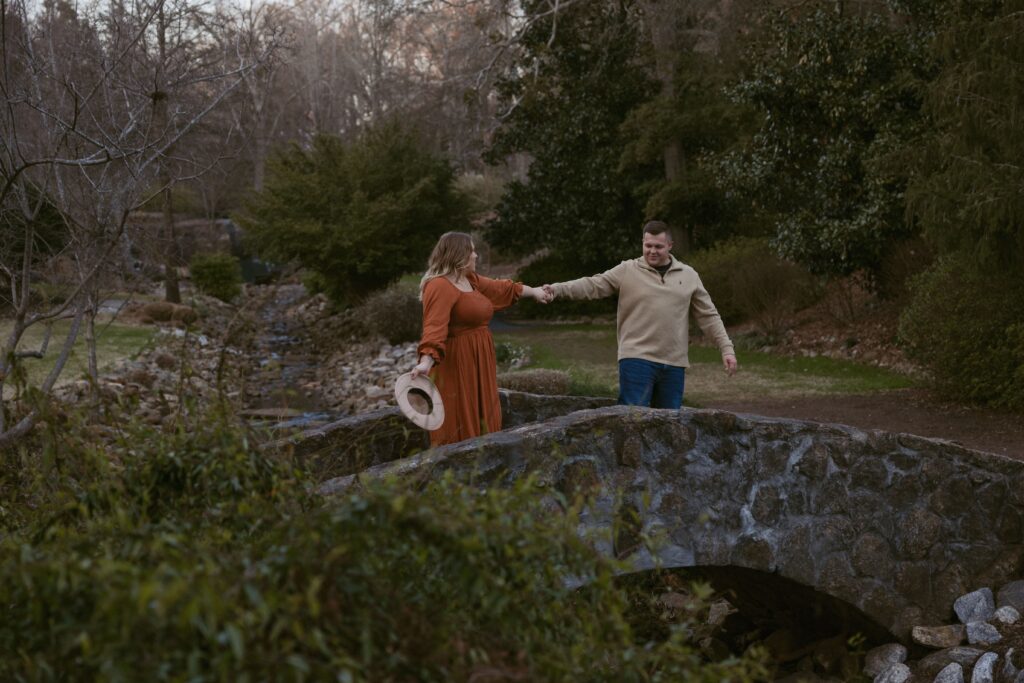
{"x":510,"y":355}
{"x":200,"y":557}
{"x":165,"y":311}
{"x":358,"y":214}
{"x":537,"y":381}
{"x":395,"y":313}
{"x":217,"y":274}
{"x":747,"y":281}
{"x":965,"y":327}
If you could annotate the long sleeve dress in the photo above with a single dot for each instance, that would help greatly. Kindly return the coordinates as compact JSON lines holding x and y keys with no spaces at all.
{"x":455,"y":335}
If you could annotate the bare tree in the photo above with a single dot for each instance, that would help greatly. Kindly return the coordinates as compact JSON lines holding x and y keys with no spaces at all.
{"x":94,"y":104}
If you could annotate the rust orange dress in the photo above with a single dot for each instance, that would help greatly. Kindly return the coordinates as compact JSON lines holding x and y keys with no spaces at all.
{"x":465,"y":369}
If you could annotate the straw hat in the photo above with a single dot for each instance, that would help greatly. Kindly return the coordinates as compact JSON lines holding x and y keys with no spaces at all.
{"x":420,"y":401}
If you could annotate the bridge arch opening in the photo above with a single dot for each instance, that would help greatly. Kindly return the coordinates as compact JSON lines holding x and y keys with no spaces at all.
{"x":804,"y":630}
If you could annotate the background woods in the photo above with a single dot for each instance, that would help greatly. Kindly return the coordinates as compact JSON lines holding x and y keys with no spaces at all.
{"x":236,"y":200}
{"x":861,"y":139}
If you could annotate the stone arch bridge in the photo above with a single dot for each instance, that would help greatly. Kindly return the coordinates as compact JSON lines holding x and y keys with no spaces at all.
{"x":895,"y":525}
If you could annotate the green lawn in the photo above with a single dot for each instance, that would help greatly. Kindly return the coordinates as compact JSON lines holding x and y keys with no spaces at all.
{"x":588,"y":353}
{"x":114,"y":342}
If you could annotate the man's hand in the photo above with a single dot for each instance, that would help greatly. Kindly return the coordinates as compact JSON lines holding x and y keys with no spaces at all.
{"x":550,"y":291}
{"x":729,"y":361}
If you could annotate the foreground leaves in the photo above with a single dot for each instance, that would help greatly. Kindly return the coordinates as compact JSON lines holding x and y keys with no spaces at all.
{"x":194,"y":556}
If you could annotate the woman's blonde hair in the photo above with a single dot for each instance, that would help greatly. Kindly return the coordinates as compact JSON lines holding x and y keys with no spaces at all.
{"x":451,"y":255}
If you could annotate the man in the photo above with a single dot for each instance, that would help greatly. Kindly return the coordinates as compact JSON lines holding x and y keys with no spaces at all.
{"x":657,"y":292}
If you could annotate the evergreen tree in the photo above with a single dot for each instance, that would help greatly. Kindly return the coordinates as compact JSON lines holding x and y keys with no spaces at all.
{"x":840,"y":95}
{"x":357,"y":216}
{"x":579,"y":75}
{"x":702,"y":121}
{"x":964,"y":323}
{"x":968,"y":193}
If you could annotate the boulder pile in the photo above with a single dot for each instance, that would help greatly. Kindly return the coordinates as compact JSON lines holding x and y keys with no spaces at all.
{"x":986,"y":645}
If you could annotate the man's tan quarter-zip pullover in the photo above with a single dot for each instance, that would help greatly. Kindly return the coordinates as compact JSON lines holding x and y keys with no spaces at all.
{"x":653,"y":317}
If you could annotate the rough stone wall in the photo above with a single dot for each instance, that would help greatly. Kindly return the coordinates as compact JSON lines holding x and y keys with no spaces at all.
{"x":356,"y":443}
{"x":895,"y":525}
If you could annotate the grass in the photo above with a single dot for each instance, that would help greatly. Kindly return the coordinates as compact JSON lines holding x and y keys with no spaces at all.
{"x":588,"y":353}
{"x":114,"y":342}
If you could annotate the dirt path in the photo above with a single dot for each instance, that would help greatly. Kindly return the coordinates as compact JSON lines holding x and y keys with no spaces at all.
{"x":910,"y":411}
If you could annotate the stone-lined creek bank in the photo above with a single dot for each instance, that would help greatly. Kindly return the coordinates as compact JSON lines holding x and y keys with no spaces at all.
{"x":277,"y":357}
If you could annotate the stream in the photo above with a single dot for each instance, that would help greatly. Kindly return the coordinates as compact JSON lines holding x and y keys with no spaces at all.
{"x":279,"y":393}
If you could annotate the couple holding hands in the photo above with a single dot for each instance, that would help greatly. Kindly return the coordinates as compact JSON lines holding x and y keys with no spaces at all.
{"x":657,"y":294}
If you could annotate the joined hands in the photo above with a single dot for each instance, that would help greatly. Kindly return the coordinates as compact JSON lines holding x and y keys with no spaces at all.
{"x":544,"y":295}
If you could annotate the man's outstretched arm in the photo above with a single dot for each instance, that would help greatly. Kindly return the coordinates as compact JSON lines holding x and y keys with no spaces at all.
{"x":594,"y":287}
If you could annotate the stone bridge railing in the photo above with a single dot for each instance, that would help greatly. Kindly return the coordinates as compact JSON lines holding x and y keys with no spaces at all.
{"x":895,"y":525}
{"x":356,"y":443}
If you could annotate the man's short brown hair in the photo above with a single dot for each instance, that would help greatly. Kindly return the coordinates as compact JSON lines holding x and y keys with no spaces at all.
{"x":657,"y":228}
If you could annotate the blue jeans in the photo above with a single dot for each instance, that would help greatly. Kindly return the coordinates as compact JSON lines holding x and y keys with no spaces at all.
{"x":646,"y":383}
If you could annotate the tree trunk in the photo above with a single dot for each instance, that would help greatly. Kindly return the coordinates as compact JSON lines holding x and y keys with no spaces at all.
{"x":664,"y":40}
{"x":172,"y":292}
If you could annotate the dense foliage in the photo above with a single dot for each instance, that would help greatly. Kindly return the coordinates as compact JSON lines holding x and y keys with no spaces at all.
{"x":357,"y":215}
{"x":703,"y":123}
{"x":749,"y":282}
{"x":194,"y":555}
{"x":967,"y":327}
{"x":569,"y":93}
{"x":217,"y":274}
{"x":967,"y":194}
{"x":964,"y":323}
{"x":840,"y":97}
{"x":395,"y":313}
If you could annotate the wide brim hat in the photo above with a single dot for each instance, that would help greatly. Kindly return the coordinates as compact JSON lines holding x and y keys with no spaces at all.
{"x":420,"y":401}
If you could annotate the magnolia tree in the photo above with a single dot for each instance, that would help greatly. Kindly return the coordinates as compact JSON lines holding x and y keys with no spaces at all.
{"x":96,"y":103}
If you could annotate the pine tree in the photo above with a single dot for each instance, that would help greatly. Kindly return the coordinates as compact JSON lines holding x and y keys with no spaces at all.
{"x":357,"y":216}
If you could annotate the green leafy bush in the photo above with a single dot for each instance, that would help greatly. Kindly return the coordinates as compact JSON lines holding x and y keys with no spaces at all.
{"x":840,"y":96}
{"x":195,"y":556}
{"x":510,"y":355}
{"x":748,"y":281}
{"x":395,"y":313}
{"x":358,"y":214}
{"x":964,"y":325}
{"x":217,"y":274}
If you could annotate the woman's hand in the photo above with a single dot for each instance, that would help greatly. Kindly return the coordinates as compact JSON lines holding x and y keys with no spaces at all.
{"x":423,"y":367}
{"x":538,"y":293}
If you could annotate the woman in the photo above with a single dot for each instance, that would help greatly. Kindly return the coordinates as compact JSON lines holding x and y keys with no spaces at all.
{"x":456,"y":348}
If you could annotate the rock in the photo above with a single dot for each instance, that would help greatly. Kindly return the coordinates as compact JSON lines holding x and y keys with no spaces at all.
{"x":377,"y":393}
{"x":883,"y":657}
{"x":930,"y":666}
{"x":982,"y":633}
{"x":897,"y":673}
{"x":939,"y":637}
{"x":1012,"y":595}
{"x":953,"y":673}
{"x":984,"y":669}
{"x":677,"y":602}
{"x":1010,"y":670}
{"x":978,"y":605}
{"x":718,"y":611}
{"x":1007,"y":615}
